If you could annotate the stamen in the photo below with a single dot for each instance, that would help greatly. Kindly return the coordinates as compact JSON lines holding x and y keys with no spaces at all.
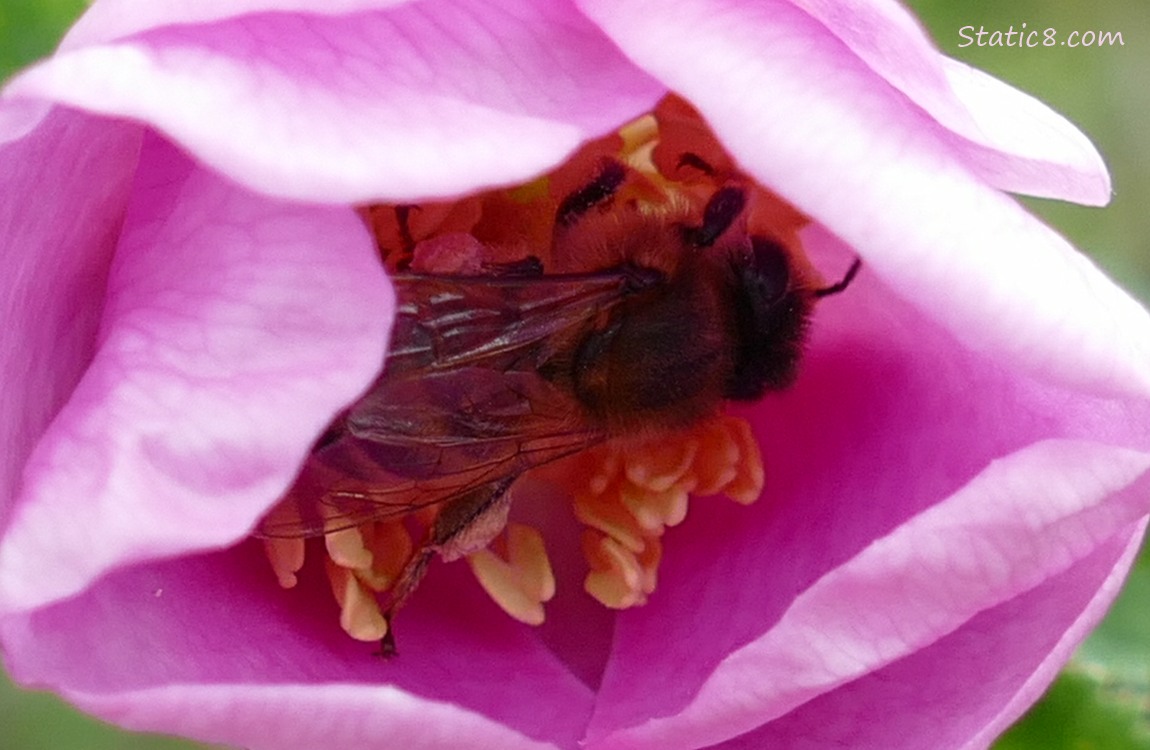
{"x":641,"y":488}
{"x":663,"y":464}
{"x":286,"y":557}
{"x":619,"y":578}
{"x":747,"y":486}
{"x":655,"y":510}
{"x":605,"y":472}
{"x":360,"y":616}
{"x":522,"y":581}
{"x":715,"y":466}
{"x":605,"y":513}
{"x":346,"y":549}
{"x":363,"y":560}
{"x":390,"y":546}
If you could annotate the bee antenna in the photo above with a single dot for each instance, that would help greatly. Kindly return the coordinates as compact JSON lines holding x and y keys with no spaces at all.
{"x":827,"y":291}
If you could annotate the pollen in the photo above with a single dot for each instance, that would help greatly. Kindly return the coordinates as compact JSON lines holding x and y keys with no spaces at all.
{"x":635,"y":490}
{"x":519,"y":579}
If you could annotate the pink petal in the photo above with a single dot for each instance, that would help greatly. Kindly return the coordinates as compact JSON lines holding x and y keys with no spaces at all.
{"x":916,"y":585}
{"x":813,"y":123}
{"x":234,"y":326}
{"x":56,"y":249}
{"x":1008,"y":138}
{"x":115,"y":19}
{"x":977,"y":483}
{"x":210,"y":647}
{"x":956,"y":691}
{"x":423,"y":99}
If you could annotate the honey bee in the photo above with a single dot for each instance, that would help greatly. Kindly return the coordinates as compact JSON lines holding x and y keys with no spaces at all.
{"x":492,"y":373}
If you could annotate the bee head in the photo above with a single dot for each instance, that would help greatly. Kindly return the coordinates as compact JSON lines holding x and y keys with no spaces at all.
{"x":770,"y":320}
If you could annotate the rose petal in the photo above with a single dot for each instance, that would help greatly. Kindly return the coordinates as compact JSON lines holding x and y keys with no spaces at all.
{"x":855,"y":156}
{"x":210,"y":647}
{"x":956,"y":691}
{"x":56,"y":249}
{"x":989,"y":542}
{"x":1008,"y":138}
{"x":233,"y":328}
{"x":1021,"y":145}
{"x":115,"y":19}
{"x":882,"y":387}
{"x":424,"y":99}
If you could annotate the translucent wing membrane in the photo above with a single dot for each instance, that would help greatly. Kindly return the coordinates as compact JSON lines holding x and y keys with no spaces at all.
{"x":472,"y":395}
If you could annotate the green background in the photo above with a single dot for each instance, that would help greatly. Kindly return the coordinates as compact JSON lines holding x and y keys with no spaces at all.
{"x":1102,"y":700}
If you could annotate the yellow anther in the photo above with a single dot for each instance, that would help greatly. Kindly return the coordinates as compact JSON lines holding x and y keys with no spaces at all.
{"x":607,"y":514}
{"x":619,"y":579}
{"x":655,"y":510}
{"x":390,"y":547}
{"x":347,"y":550}
{"x":286,"y":557}
{"x":359,"y":616}
{"x":522,"y":581}
{"x":747,"y":486}
{"x":659,"y":465}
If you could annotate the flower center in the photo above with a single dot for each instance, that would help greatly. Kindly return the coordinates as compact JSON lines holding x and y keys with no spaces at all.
{"x":587,"y":327}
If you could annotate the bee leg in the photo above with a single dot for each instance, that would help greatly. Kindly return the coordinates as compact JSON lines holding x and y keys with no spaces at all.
{"x":405,"y":586}
{"x":721,"y":211}
{"x":596,"y":192}
{"x":464,"y":525}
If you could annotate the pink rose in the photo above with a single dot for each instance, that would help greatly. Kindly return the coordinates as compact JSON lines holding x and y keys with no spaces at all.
{"x":956,"y":485}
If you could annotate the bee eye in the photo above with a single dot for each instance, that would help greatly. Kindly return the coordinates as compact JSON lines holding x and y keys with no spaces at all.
{"x":767,"y":276}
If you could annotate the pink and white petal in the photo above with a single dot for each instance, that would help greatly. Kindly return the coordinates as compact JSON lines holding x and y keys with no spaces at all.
{"x":1018,"y":143}
{"x":968,"y":687}
{"x":295,"y":717}
{"x":211,"y":647}
{"x":1007,"y":137}
{"x":992,"y":541}
{"x":894,"y":433}
{"x":107,"y":20}
{"x":419,"y":100}
{"x":808,"y":121}
{"x":234,"y":327}
{"x":57,"y":236}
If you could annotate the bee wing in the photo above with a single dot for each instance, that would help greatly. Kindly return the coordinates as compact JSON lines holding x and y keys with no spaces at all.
{"x":473,"y":393}
{"x":447,"y":322}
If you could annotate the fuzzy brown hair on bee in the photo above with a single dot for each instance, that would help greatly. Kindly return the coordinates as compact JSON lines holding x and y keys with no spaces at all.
{"x":647,"y":320}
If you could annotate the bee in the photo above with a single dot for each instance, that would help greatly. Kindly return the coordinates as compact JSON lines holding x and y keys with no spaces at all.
{"x":493,"y":373}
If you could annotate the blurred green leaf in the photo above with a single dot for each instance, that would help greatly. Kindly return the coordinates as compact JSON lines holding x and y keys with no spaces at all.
{"x":30,"y":29}
{"x":41,"y":721}
{"x":1077,"y":714}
